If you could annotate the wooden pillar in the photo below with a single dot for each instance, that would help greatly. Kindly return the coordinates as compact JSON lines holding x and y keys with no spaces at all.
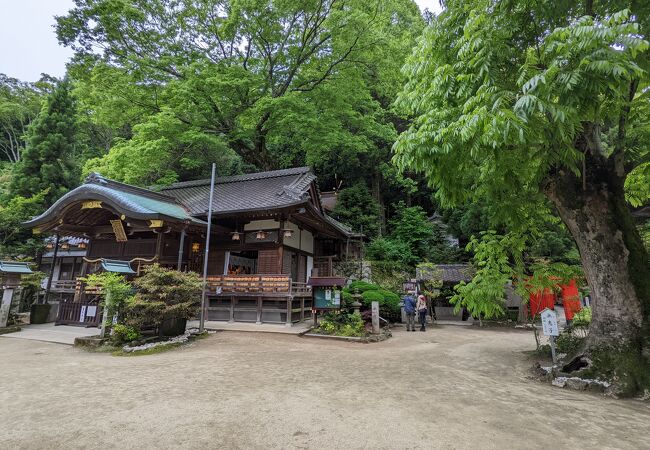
{"x":84,"y":264}
{"x":159,"y":241}
{"x":302,"y":308}
{"x":259,"y":311}
{"x":289,"y":304}
{"x":347,"y":249}
{"x":74,"y":266}
{"x":232,"y":309}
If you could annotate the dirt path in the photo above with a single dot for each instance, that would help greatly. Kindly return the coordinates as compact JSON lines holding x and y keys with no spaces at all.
{"x":452,"y":387}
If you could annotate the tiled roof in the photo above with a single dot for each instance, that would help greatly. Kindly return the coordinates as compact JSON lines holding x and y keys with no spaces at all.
{"x":140,"y":202}
{"x":189,"y":200}
{"x":342,"y":227}
{"x":14,"y":267}
{"x":256,"y":191}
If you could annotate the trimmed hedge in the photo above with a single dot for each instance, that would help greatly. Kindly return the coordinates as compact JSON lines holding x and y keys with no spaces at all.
{"x":372,"y":296}
{"x":362,"y":286}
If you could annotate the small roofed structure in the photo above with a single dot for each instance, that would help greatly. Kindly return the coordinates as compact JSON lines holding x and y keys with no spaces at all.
{"x":11,"y":271}
{"x":269,"y":233}
{"x":116,"y":266}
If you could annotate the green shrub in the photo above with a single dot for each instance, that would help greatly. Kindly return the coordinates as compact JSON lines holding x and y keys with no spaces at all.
{"x":123,"y":334}
{"x":569,"y":343}
{"x":582,"y":318}
{"x":163,"y":294}
{"x":346,"y":298}
{"x":389,"y":302}
{"x":117,"y":291}
{"x":362,"y":286}
{"x":391,"y":250}
{"x":372,"y":296}
{"x":30,"y":285}
{"x":391,"y":299}
{"x":342,"y":324}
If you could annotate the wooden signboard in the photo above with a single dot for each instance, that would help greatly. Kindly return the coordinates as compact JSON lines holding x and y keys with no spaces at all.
{"x":327,"y":297}
{"x":409,"y":286}
{"x":326,"y":292}
{"x":118,"y":229}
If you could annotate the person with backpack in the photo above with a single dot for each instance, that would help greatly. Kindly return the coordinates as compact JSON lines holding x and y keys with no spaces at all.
{"x":421,"y":307}
{"x":409,"y":310}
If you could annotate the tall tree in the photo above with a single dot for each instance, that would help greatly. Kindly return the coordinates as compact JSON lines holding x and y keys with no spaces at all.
{"x":48,"y":162}
{"x":516,"y":101}
{"x":279,"y":82}
{"x":356,"y":207}
{"x":19,"y":105}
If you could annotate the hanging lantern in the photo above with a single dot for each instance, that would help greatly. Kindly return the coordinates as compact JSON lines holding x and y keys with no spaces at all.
{"x":65,"y":246}
{"x":49,"y":246}
{"x":82,"y":245}
{"x":287,"y":232}
{"x":236,"y":236}
{"x":261,"y":235}
{"x":196,"y":247}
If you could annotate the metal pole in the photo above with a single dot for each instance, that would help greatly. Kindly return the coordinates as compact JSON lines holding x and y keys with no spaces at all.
{"x":49,"y":279}
{"x":207,"y":251}
{"x":180,"y":250}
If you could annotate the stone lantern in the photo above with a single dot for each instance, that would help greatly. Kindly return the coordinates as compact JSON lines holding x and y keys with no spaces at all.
{"x":356,"y":303}
{"x":10,"y":273}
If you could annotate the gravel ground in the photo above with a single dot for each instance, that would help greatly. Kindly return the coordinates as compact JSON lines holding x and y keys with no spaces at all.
{"x":451,"y":387}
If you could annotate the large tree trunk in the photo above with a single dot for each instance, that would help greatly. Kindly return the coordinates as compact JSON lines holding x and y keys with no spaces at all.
{"x":614,"y":260}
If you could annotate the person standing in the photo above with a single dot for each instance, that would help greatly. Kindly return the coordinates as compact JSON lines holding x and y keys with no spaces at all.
{"x":421,"y":307}
{"x":409,"y":310}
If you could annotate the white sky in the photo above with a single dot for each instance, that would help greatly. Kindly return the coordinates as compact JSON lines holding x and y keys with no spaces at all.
{"x":28,"y":44}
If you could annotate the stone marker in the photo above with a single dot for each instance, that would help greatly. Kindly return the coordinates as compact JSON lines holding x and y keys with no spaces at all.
{"x":5,"y":306}
{"x":375,"y":317}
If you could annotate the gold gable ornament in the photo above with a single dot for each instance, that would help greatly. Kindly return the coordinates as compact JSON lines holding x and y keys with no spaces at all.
{"x":156,"y":223}
{"x":91,"y":204}
{"x":118,"y":229}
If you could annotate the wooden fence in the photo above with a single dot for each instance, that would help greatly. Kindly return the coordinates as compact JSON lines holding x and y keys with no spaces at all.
{"x":84,"y":314}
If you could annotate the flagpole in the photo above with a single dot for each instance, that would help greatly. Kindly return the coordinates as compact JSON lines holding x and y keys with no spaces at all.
{"x":207,"y":251}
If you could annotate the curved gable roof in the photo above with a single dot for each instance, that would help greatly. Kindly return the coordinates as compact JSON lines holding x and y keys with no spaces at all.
{"x":130,"y":200}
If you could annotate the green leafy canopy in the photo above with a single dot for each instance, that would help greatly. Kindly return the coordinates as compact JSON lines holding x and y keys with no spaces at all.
{"x":499,"y":94}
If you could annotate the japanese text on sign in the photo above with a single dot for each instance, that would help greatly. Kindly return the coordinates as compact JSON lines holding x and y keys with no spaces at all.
{"x":549,"y":323}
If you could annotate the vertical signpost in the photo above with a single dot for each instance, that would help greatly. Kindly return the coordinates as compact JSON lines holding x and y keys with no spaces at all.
{"x":5,"y":306}
{"x":375,"y":317}
{"x":550,"y":328}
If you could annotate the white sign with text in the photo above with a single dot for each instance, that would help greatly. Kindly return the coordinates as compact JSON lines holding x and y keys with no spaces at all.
{"x":549,"y":323}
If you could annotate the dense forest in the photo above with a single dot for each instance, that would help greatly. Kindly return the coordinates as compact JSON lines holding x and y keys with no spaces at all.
{"x":512,"y":129}
{"x":157,"y":92}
